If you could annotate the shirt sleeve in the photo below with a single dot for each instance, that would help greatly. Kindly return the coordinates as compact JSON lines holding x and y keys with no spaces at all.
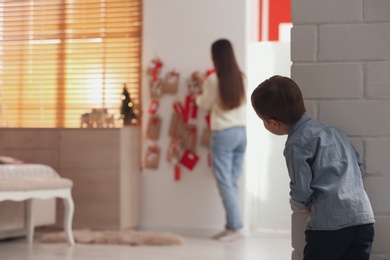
{"x":299,"y":170}
{"x":209,"y":96}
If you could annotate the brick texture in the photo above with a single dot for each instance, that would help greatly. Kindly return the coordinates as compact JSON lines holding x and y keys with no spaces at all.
{"x":378,"y":11}
{"x":378,"y":80}
{"x":317,"y":80}
{"x":354,"y":42}
{"x":329,"y":11}
{"x":304,"y":43}
{"x":341,"y":60}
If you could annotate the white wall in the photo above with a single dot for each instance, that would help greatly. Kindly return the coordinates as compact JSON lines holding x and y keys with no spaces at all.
{"x":341,"y":59}
{"x":267,"y":178}
{"x":181,"y":33}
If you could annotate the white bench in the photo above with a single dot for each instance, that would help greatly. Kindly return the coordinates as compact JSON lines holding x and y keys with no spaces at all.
{"x":20,"y":189}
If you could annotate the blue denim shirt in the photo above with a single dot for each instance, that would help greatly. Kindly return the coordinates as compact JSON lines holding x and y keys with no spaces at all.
{"x":326,"y":176}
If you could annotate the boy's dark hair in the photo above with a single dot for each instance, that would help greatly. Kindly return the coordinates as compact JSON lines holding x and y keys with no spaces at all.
{"x":278,"y":98}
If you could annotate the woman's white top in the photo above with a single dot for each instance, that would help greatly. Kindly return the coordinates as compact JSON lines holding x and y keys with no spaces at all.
{"x":220,"y":119}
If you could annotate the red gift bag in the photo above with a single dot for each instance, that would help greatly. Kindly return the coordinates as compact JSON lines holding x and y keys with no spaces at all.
{"x":189,"y":159}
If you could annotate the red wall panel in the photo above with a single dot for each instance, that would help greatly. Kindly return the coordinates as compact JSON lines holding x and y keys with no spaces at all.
{"x":279,"y":11}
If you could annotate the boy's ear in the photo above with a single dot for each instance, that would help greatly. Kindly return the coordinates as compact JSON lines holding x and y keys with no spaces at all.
{"x":279,"y":127}
{"x":275,"y":123}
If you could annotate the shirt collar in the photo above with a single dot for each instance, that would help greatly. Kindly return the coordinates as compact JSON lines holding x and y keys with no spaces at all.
{"x":300,"y":122}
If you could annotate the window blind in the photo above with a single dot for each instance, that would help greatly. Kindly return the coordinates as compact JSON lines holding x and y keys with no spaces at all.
{"x":60,"y":59}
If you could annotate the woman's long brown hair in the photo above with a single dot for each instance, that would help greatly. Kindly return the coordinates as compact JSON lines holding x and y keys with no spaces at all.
{"x":231,"y":83}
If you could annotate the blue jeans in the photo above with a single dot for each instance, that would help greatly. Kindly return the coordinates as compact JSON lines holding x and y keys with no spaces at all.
{"x":227,"y":153}
{"x":350,"y":243}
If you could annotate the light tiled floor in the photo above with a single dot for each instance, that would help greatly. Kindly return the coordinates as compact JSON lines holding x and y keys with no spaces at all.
{"x":254,"y":247}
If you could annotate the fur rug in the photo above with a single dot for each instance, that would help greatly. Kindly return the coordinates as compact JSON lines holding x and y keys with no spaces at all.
{"x":119,"y":237}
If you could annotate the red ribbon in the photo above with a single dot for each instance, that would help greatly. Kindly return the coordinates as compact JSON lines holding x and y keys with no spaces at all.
{"x":187,"y":107}
{"x":157,"y":66}
{"x":194,"y":112}
{"x":207,"y":117}
{"x":209,"y":72}
{"x":177,"y":173}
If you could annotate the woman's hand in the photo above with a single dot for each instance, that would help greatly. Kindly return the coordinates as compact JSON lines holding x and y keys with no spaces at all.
{"x":194,"y":96}
{"x":197,"y":75}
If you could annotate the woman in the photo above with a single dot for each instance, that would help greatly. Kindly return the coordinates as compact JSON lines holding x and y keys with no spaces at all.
{"x":224,"y":95}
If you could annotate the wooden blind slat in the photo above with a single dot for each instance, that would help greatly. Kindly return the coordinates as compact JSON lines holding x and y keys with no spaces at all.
{"x":61,"y":58}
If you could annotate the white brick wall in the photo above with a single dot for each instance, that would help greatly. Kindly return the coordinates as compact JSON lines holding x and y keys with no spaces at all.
{"x":378,"y":79}
{"x":378,"y":11}
{"x":329,"y":11}
{"x":349,"y":86}
{"x":341,"y":60}
{"x":304,"y":43}
{"x":354,"y":42}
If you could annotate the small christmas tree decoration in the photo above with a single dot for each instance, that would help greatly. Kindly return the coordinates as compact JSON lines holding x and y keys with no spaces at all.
{"x":127,"y":108}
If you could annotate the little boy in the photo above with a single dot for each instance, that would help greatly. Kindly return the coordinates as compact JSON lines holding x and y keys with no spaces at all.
{"x":325,"y":174}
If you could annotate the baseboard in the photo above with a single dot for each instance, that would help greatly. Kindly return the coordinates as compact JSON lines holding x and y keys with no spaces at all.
{"x":7,"y":234}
